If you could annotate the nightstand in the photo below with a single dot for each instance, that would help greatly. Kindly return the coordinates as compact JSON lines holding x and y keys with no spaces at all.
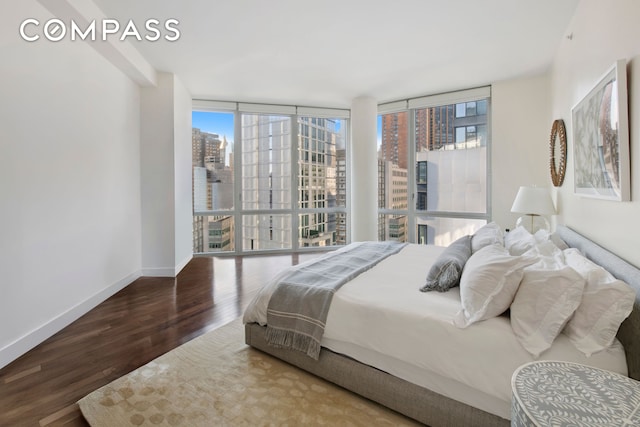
{"x":553,"y":393}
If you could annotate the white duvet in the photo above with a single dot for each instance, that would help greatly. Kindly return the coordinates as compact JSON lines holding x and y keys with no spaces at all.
{"x":381,"y":318}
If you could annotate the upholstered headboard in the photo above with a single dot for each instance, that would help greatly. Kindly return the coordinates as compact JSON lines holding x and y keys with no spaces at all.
{"x":629,"y":333}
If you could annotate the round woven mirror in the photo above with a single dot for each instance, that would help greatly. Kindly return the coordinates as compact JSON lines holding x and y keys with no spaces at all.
{"x":558,"y":152}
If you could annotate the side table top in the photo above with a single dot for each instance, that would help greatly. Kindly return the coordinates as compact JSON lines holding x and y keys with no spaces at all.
{"x":555,"y":393}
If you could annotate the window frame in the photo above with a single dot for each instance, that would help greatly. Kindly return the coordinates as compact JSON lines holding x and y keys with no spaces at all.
{"x":410,"y":106}
{"x":238,"y":212}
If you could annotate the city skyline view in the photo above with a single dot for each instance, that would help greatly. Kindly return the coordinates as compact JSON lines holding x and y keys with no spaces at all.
{"x":228,"y":221}
{"x":214,"y":122}
{"x":222,"y":124}
{"x":448,"y":143}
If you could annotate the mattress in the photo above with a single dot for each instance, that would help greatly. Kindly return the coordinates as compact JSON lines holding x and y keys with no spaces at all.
{"x":381,"y":319}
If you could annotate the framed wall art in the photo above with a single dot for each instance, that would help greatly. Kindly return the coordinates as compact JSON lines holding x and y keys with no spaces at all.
{"x":600,"y":125}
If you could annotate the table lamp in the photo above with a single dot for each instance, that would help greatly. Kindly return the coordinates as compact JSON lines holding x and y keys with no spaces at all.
{"x":534,"y":203}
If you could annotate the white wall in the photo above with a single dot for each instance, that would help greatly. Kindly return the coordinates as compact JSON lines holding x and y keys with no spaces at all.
{"x":364,"y":170}
{"x":602,"y":32}
{"x":182,"y":175}
{"x":69,"y":182}
{"x":165,"y":141}
{"x":520,"y":126}
{"x":158,"y":186}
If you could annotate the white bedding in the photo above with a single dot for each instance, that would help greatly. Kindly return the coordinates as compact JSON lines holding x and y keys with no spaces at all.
{"x":381,"y":319}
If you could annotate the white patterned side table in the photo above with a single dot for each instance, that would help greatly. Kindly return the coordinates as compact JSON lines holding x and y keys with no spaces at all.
{"x":551,"y":393}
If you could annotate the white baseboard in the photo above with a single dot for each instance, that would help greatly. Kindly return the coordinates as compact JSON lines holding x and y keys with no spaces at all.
{"x":166,"y":271}
{"x":159,"y":272}
{"x":22,"y":345}
{"x":182,"y":265}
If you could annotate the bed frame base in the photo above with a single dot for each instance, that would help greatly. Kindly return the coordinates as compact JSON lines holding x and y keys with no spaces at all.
{"x":431,"y":408}
{"x":404,"y":397}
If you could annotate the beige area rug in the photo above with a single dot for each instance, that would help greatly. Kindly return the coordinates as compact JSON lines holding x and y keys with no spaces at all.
{"x":217,"y":380}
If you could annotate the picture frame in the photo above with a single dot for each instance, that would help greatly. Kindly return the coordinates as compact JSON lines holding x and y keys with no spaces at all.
{"x":600,"y":124}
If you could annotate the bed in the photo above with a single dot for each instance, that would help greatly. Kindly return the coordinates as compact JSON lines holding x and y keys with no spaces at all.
{"x":463,"y":382}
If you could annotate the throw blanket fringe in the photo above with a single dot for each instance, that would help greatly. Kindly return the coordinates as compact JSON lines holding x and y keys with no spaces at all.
{"x":291,"y":340}
{"x":298,"y":307}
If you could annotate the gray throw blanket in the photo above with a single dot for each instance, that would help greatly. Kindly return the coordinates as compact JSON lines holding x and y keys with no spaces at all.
{"x":298,"y":307}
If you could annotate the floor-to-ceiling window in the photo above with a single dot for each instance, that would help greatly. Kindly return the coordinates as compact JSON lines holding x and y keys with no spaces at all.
{"x":433,"y":167}
{"x":322,"y":181}
{"x":266,"y":187}
{"x":269,"y":178}
{"x":212,"y":138}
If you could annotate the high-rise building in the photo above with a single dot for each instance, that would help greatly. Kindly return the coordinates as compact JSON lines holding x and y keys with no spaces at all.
{"x":341,"y":195}
{"x":438,"y":130}
{"x":209,"y":153}
{"x":450,"y":144}
{"x":220,"y":233}
{"x":317,"y":180}
{"x":197,"y":148}
{"x":395,"y":138}
{"x":200,"y":199}
{"x":267,"y":183}
{"x":198,"y":234}
{"x":393,"y":180}
{"x":434,"y":127}
{"x":212,"y":189}
{"x":206,"y":145}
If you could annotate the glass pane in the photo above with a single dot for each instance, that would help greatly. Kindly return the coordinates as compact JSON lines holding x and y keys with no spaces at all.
{"x":322,"y":229}
{"x":435,"y":127}
{"x":213,"y":233}
{"x":393,"y":227}
{"x":456,"y":181}
{"x":266,"y":162}
{"x":444,"y":231}
{"x":451,"y":143}
{"x":392,"y":160}
{"x":322,"y":163}
{"x":211,"y":152}
{"x":482,"y":135}
{"x":482,"y":107}
{"x":341,"y":229}
{"x":265,"y":232}
{"x":322,"y":180}
{"x":470,"y":109}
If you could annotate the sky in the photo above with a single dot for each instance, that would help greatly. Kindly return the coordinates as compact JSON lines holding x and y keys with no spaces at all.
{"x":219,"y":123}
{"x":222,"y":124}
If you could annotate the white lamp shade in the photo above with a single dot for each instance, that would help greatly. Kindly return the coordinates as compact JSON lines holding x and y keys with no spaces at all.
{"x":533,"y":201}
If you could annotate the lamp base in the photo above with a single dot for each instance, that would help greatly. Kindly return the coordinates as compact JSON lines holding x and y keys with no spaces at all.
{"x":533,"y":223}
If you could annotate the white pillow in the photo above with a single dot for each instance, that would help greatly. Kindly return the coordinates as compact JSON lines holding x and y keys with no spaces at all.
{"x":488,"y":234}
{"x":519,"y":240}
{"x":587,"y":268}
{"x":548,"y":256}
{"x":606,"y":302}
{"x":489,"y":281}
{"x":544,"y":235}
{"x":545,"y":301}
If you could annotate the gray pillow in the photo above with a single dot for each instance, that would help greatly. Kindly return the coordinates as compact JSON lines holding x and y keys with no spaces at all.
{"x":446,"y":270}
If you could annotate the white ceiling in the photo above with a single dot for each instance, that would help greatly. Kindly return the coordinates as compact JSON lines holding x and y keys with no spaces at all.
{"x":328,"y":52}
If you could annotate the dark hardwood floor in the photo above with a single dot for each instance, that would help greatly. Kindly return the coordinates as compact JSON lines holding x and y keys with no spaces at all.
{"x":146,"y":319}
